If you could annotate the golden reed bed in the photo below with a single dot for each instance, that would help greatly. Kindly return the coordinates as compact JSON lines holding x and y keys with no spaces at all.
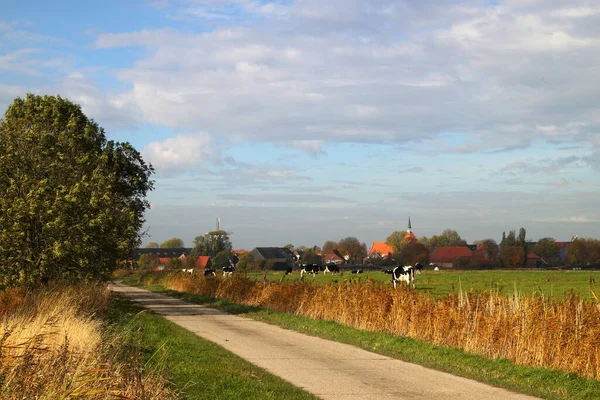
{"x":55,"y":344}
{"x":537,"y":331}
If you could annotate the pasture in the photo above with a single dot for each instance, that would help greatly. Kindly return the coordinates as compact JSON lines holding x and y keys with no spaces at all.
{"x":550,"y":283}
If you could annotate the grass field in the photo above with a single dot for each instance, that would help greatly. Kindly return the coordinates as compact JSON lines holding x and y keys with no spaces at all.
{"x":558,"y":284}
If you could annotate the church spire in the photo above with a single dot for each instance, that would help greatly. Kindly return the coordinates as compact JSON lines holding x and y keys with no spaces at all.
{"x":409,"y":226}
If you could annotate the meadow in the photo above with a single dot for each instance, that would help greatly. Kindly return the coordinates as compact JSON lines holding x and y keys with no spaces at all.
{"x":551,"y":283}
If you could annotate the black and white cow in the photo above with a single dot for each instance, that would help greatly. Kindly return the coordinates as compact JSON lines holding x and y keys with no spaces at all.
{"x":210,"y":272}
{"x":228,"y":270}
{"x":356,"y":271}
{"x":387,"y":271}
{"x":403,"y":274}
{"x":418,"y":268}
{"x":331,"y":268}
{"x":288,"y":270}
{"x":309,"y":269}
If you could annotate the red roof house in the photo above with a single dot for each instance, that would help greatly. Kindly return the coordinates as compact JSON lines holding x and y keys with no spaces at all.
{"x":448,"y":256}
{"x":333,"y":257}
{"x":382,"y":249}
{"x":203,"y":262}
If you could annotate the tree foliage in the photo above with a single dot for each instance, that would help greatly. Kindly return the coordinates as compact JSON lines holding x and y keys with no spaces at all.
{"x":583,"y":252}
{"x":212,"y":243}
{"x":152,"y":245}
{"x":221,"y":259}
{"x":246,"y":262}
{"x":395,"y":240}
{"x":353,"y":248}
{"x":448,"y":237}
{"x":513,"y":249}
{"x":490,"y":248}
{"x":548,"y":250}
{"x":310,"y":256}
{"x":173,"y":243}
{"x":412,"y":253}
{"x":329,"y":246}
{"x":72,"y":203}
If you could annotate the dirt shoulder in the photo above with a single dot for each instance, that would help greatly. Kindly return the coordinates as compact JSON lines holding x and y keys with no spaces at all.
{"x":327,"y":369}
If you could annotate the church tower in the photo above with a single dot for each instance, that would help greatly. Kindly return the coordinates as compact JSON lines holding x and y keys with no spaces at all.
{"x":410,"y":236}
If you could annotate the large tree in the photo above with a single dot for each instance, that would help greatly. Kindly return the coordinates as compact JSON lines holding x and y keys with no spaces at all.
{"x":212,"y":243}
{"x":490,"y":248}
{"x":412,"y":253}
{"x":329,"y":246}
{"x":396,"y":240}
{"x":548,"y":250}
{"x":310,"y":256}
{"x":72,"y":203}
{"x":353,"y":248}
{"x":448,"y":237}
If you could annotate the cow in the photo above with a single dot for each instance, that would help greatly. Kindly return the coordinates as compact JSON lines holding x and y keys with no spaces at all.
{"x":309,"y":269}
{"x":209,"y":272}
{"x":403,"y":274}
{"x":189,"y":271}
{"x":228,"y":270}
{"x":418,"y":268}
{"x":356,"y":271}
{"x":288,"y":270}
{"x":387,"y":271}
{"x":331,"y":268}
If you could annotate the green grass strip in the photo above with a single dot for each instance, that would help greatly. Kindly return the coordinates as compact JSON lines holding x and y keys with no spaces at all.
{"x":540,"y":382}
{"x":199,"y":369}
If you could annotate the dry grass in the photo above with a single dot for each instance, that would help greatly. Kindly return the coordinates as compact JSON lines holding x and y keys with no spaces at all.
{"x":54,"y":345}
{"x":536,"y":331}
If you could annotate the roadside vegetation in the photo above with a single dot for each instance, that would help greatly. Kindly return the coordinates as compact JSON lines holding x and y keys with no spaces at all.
{"x":199,"y":368}
{"x":56,"y":344}
{"x":537,"y":331}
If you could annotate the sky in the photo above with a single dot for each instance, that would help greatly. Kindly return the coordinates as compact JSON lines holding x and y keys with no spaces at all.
{"x":305,"y":121}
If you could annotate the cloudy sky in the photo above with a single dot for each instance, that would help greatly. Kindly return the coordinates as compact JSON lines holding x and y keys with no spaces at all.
{"x":305,"y":121}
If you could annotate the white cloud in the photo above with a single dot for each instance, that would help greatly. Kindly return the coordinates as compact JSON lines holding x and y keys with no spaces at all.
{"x":180,"y":153}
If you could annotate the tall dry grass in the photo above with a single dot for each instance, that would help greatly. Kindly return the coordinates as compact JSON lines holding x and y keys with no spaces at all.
{"x":55,"y":345}
{"x":537,"y":331}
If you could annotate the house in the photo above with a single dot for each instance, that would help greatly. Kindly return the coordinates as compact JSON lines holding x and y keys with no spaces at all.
{"x":163,"y":255}
{"x":450,"y":256}
{"x":562,"y":251}
{"x":380,"y":250}
{"x":333,"y":257}
{"x":280,"y":257}
{"x":203,"y":262}
{"x":383,"y":250}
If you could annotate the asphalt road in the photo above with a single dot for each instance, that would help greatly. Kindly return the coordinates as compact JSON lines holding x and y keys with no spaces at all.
{"x":330,"y":370}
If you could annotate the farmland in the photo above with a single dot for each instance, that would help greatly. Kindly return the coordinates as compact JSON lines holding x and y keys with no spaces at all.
{"x":556,"y":284}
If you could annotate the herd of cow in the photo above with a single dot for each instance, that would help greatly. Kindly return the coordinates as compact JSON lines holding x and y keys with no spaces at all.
{"x":400,"y":274}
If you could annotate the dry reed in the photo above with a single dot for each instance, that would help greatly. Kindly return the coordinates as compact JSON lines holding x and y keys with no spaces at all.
{"x":53,"y":345}
{"x":537,"y":330}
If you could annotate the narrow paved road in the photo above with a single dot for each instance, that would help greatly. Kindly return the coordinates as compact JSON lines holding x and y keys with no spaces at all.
{"x":327,"y":369}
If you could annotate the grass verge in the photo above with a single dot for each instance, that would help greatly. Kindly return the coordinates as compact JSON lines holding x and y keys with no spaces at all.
{"x":198,"y":368}
{"x":540,"y":382}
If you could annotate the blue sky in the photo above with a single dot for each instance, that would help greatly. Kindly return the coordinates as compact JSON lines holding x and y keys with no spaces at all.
{"x":305,"y":121}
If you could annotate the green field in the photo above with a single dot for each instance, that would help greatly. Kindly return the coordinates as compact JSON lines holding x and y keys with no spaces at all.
{"x":557,"y":284}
